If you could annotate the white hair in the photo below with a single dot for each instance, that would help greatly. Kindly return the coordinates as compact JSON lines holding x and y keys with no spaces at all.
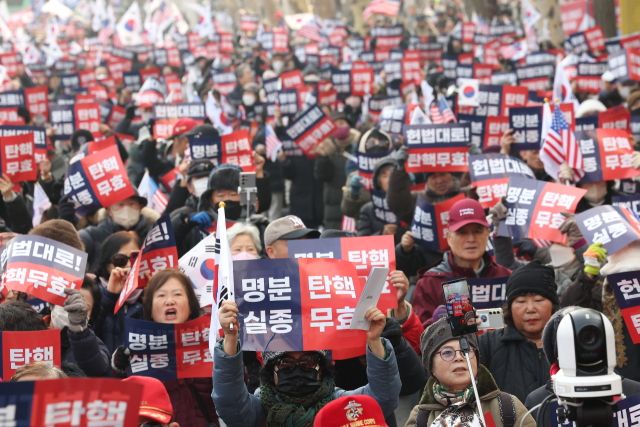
{"x":243,"y":228}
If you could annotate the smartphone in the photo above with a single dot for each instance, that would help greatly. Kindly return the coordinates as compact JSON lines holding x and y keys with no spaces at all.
{"x":490,"y":318}
{"x":459,"y":309}
{"x":247,"y":188}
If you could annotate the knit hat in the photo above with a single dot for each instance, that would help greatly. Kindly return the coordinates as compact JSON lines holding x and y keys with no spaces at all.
{"x":79,"y":137}
{"x":340,"y":115}
{"x":439,"y":313}
{"x":225,"y":177}
{"x":533,"y":278}
{"x":271,"y":355}
{"x":435,"y":336}
{"x":549,"y":334}
{"x":61,"y":231}
{"x":351,"y":410}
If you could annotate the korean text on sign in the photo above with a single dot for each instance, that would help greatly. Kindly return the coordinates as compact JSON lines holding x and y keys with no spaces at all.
{"x":626,"y":287}
{"x":18,"y":157}
{"x":614,"y":226}
{"x":22,"y":348}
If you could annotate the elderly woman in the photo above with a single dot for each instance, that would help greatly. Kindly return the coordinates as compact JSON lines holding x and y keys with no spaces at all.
{"x":448,"y":398}
{"x":295,"y":384}
{"x":244,"y":241}
{"x":514,"y":354}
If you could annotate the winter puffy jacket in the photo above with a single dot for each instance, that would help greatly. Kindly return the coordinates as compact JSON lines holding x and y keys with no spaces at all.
{"x":237,"y":408}
{"x":87,"y":351}
{"x":185,"y":406}
{"x":517,"y":365}
{"x":110,"y":327}
{"x":428,"y":294}
{"x":305,"y":195}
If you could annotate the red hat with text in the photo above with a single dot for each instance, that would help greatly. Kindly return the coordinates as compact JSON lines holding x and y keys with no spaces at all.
{"x":155,"y":403}
{"x":183,"y":125}
{"x":466,"y":211}
{"x":348,"y":410}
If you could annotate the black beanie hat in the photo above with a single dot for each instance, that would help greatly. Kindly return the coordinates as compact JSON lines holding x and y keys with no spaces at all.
{"x":533,"y":278}
{"x":225,"y":177}
{"x":79,"y":137}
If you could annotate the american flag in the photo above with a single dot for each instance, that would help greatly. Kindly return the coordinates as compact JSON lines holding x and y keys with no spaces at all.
{"x":272,"y":142}
{"x":311,"y":30}
{"x":560,"y":146}
{"x":162,"y":14}
{"x":441,"y":112}
{"x":348,"y":224}
{"x":105,"y":32}
{"x":381,"y":7}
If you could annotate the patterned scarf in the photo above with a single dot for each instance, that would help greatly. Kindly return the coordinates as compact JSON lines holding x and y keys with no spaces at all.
{"x":448,"y":397}
{"x":459,"y":411}
{"x":295,"y":411}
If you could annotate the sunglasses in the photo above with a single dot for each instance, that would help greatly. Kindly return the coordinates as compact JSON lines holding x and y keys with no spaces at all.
{"x":119,"y":260}
{"x":448,"y":354}
{"x":308,"y":362}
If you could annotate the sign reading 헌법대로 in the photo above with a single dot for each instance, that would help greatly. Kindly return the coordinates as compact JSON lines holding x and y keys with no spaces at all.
{"x":437,"y":147}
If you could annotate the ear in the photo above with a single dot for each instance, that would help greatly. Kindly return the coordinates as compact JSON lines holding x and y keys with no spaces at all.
{"x":270,"y":252}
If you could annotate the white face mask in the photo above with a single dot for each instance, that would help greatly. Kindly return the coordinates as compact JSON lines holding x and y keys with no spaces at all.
{"x":126,"y":217}
{"x":624,"y":91}
{"x":248,"y":100}
{"x":200,"y":186}
{"x":596,"y":194}
{"x":243,"y":256}
{"x":59,"y":317}
{"x":277,"y":66}
{"x":146,"y":116}
{"x":560,"y":255}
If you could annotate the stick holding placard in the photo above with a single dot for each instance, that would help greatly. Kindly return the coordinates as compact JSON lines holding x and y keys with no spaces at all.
{"x":369,"y":297}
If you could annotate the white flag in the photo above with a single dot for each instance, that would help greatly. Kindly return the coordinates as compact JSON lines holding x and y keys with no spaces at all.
{"x":215,"y":114}
{"x":40,"y":204}
{"x":418,"y":117}
{"x":427,"y":95}
{"x":129,"y":28}
{"x":225,"y":272}
{"x":197,"y":265}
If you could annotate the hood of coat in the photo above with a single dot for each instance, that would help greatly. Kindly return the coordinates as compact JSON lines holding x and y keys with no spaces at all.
{"x":487,"y":388}
{"x":378,"y":168}
{"x":626,"y":259}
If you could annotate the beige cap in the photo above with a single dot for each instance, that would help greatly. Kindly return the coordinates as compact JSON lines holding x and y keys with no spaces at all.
{"x":289,"y":227}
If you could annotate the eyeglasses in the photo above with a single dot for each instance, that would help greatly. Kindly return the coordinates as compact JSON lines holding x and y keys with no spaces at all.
{"x":448,"y":354}
{"x":119,"y":260}
{"x":374,"y":142}
{"x":308,"y":362}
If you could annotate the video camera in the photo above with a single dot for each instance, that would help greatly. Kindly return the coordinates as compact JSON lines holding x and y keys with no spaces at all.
{"x":586,"y":384}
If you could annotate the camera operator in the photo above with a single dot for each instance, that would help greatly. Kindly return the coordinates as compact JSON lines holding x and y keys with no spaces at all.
{"x":550,"y":347}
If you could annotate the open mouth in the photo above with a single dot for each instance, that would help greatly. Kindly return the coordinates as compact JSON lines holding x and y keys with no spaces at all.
{"x":460,"y":370}
{"x":171,"y":314}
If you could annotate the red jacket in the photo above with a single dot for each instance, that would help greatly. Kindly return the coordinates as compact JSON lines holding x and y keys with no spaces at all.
{"x":412,"y":329}
{"x":428,"y":294}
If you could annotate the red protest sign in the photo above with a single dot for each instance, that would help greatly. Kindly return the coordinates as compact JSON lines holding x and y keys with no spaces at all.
{"x":615,"y":119}
{"x":145,"y":73}
{"x":361,"y":80}
{"x":546,"y":213}
{"x":174,"y":87}
{"x":490,"y":191}
{"x":292,"y":80}
{"x":10,"y":60}
{"x":173,"y":57}
{"x":483,"y":72}
{"x":573,"y":13}
{"x":99,"y":92}
{"x":212,"y":50}
{"x":411,"y":70}
{"x":87,"y":78}
{"x":494,"y":128}
{"x":37,"y":99}
{"x":193,"y":358}
{"x":236,"y":150}
{"x":280,"y":40}
{"x":22,"y":348}
{"x":87,"y":116}
{"x":193,"y":39}
{"x":595,"y":39}
{"x":116,"y":116}
{"x":442,"y":219}
{"x":130,"y":285}
{"x":118,"y":66}
{"x":616,"y":154}
{"x":226,"y":42}
{"x":95,"y":146}
{"x":18,"y":157}
{"x":312,"y":127}
{"x":329,"y":98}
{"x":442,"y":159}
{"x":468,"y":31}
{"x":516,"y":96}
{"x":9,"y":116}
{"x":82,"y":98}
{"x":169,"y":179}
{"x":107,"y":176}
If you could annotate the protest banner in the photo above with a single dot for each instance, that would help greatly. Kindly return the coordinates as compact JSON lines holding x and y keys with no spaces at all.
{"x":297,"y":304}
{"x":223,"y":81}
{"x":490,"y":175}
{"x":477,"y":127}
{"x":361,"y":81}
{"x":98,"y":180}
{"x":393,"y":118}
{"x":626,"y":288}
{"x":377,"y":104}
{"x":487,"y":292}
{"x":18,"y":157}
{"x":167,"y":351}
{"x":158,"y":252}
{"x":132,"y":80}
{"x":614,"y":226}
{"x":39,"y":138}
{"x":248,"y":22}
{"x":12,"y":98}
{"x":526,"y":123}
{"x":364,"y":252}
{"x":87,"y":116}
{"x":81,"y":402}
{"x":22,"y":348}
{"x":43,"y":268}
{"x":9,"y":116}
{"x":573,"y":13}
{"x":381,"y":208}
{"x":37,"y":100}
{"x":366,"y":164}
{"x":62,"y":120}
{"x":627,"y":411}
{"x":590,"y":76}
{"x":117,"y":114}
{"x":534,"y":209}
{"x":494,"y":128}
{"x":234,"y":148}
{"x":534,"y":77}
{"x":288,"y":102}
{"x":624,"y":65}
{"x":310,"y":128}
{"x":292,"y":79}
{"x":429,"y":223}
{"x":607,"y":154}
{"x":615,"y":118}
{"x":630,"y":202}
{"x":437,"y":148}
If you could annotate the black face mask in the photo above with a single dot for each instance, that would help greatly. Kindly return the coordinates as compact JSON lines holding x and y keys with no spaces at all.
{"x":232,"y":210}
{"x":298,"y":382}
{"x":635,"y":112}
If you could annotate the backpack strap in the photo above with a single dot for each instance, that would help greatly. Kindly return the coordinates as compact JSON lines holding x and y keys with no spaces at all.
{"x":507,"y":409}
{"x":422,"y":418}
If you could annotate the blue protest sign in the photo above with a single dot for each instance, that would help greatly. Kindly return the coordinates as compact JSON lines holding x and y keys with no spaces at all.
{"x":630,"y":202}
{"x":12,"y":98}
{"x":628,"y":411}
{"x":493,"y":166}
{"x":477,"y":127}
{"x":424,"y":227}
{"x":62,"y":120}
{"x":526,"y":123}
{"x":288,"y":101}
{"x":381,"y":208}
{"x":614,"y":226}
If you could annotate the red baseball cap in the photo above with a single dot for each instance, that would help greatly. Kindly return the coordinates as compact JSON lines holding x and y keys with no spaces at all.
{"x":347,"y":409}
{"x":155,"y":402}
{"x":183,"y":125}
{"x":466,"y":211}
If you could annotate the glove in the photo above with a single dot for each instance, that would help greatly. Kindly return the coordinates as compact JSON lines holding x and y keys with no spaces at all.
{"x":526,"y":247}
{"x":67,"y":210}
{"x":130,"y":113}
{"x":77,"y":309}
{"x":635,"y":161}
{"x":121,"y":359}
{"x":401,"y":157}
{"x":499,"y":212}
{"x":570,"y":228}
{"x":565,"y":173}
{"x":393,"y":332}
{"x":593,"y":257}
{"x":474,"y":149}
{"x":202,"y":219}
{"x":356,"y":184}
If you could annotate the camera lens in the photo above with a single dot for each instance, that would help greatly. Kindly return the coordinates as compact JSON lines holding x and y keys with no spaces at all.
{"x":590,"y":337}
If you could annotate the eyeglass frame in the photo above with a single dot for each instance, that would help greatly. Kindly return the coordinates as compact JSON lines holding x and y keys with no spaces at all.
{"x":315,"y":357}
{"x":472,"y":353}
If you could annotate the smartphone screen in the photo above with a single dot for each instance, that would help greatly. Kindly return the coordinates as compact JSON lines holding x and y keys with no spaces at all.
{"x":459,"y":308}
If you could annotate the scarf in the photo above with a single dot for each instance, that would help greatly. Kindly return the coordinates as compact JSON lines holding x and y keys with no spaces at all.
{"x":459,"y":411}
{"x":295,"y":411}
{"x":448,"y":397}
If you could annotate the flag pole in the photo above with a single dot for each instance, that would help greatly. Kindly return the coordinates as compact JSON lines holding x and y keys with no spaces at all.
{"x":224,"y":266}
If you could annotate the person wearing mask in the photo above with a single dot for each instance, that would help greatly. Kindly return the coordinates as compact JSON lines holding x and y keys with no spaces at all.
{"x":449,"y":398}
{"x":172,"y":152}
{"x":282,"y":230}
{"x":37,"y":371}
{"x":115,"y":261}
{"x":441,"y":186}
{"x":598,"y":193}
{"x":249,"y":98}
{"x":244,"y":75}
{"x":467,"y":237}
{"x":156,"y":409}
{"x":531,"y":157}
{"x":277,"y":62}
{"x":186,"y":193}
{"x":609,"y":95}
{"x":330,"y":167}
{"x":170,"y":298}
{"x":244,"y":241}
{"x":295,"y":385}
{"x":190,"y":228}
{"x":125,"y":215}
{"x":514,"y":355}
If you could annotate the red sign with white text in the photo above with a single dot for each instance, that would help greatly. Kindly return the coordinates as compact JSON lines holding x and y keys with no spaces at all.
{"x":23,"y":348}
{"x":18,"y":157}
